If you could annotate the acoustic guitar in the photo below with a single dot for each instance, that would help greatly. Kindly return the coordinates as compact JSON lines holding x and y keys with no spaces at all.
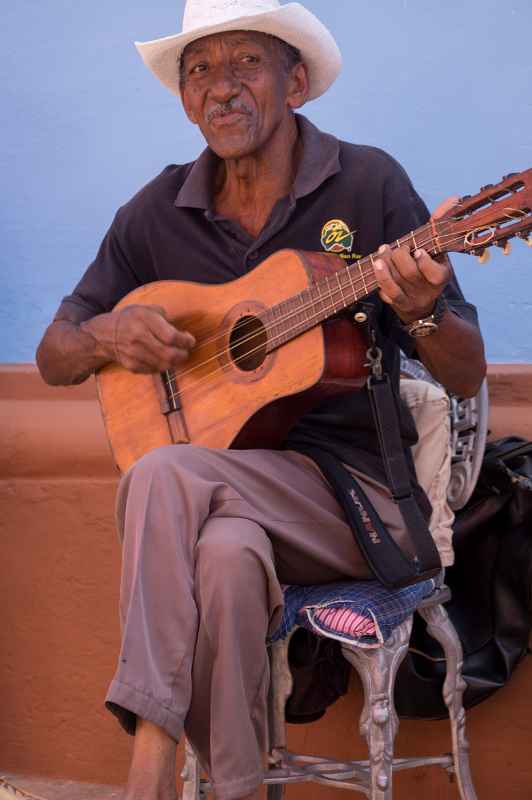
{"x":270,"y":345}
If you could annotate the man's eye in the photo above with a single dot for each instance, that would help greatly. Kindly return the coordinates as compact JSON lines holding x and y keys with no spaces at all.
{"x":197,"y":68}
{"x":250,"y":59}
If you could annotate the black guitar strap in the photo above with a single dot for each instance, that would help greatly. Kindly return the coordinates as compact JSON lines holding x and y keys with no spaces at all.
{"x":412,"y":555}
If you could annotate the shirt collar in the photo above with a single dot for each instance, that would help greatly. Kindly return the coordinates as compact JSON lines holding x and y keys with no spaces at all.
{"x":320,"y":159}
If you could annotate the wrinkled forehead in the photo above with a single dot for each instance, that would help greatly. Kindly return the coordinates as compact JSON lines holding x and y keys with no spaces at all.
{"x":230,"y":39}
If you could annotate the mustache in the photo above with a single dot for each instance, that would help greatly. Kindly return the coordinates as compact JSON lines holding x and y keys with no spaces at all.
{"x":223,"y":109}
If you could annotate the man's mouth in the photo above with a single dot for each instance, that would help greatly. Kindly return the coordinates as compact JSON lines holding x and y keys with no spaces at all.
{"x":227,"y":114}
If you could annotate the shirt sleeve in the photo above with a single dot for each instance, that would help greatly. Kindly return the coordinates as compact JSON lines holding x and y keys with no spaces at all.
{"x":404,"y":211}
{"x":109,"y":278}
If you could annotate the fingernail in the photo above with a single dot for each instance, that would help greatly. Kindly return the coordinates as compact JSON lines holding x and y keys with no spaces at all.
{"x":419,"y":253}
{"x":379,"y":265}
{"x":383,"y":248}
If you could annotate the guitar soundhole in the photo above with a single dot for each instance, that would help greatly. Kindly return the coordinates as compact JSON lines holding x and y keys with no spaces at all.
{"x":247,"y":343}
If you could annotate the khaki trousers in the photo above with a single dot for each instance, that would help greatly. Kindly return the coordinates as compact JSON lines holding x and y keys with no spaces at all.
{"x":203,"y":562}
{"x":208,"y":538}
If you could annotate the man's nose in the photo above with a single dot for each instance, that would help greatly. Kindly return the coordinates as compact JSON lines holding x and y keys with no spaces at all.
{"x":225,"y":84}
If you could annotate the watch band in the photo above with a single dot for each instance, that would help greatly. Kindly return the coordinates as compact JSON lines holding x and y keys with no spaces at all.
{"x":428,"y":325}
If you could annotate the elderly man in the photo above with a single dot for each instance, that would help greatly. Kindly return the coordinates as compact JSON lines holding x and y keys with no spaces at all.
{"x":209,"y":536}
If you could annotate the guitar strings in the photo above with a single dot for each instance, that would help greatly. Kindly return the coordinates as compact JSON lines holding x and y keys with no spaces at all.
{"x":210,"y":376}
{"x":356,"y":284}
{"x":217,"y":336}
{"x":406,"y":239}
{"x":360,"y":281}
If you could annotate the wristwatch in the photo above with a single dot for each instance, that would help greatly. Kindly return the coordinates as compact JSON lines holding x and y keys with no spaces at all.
{"x":428,"y":325}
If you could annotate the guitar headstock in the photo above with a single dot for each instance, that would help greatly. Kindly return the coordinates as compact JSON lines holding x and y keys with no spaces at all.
{"x":492,"y":217}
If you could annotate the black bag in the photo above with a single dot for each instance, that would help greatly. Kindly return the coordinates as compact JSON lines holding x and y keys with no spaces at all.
{"x":320,"y":674}
{"x":491,"y":584}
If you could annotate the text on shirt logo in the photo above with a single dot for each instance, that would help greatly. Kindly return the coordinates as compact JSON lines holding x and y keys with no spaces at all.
{"x":337,"y":238}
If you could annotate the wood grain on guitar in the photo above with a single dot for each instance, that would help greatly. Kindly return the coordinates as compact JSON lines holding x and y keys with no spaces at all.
{"x":270,"y":345}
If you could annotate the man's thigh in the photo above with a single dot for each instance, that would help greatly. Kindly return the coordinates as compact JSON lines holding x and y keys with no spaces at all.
{"x":285,"y":493}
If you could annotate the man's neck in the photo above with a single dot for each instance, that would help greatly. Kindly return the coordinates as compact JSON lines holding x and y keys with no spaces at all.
{"x":249,"y":187}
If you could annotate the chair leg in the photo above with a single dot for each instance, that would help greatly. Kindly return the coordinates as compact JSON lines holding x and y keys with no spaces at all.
{"x":440,"y":628}
{"x":281,"y":683}
{"x":191,"y":775}
{"x":377,"y":668}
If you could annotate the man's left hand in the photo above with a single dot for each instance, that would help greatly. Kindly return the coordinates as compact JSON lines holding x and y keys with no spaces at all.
{"x":410,"y":283}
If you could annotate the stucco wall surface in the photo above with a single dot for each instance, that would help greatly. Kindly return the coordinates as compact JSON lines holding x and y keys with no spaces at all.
{"x":444,"y":87}
{"x":59,"y":636}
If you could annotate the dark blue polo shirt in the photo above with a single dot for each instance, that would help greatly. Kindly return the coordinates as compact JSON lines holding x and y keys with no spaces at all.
{"x":346,"y":198}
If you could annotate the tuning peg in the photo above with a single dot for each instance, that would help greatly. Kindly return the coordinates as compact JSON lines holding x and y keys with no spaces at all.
{"x":483,"y":256}
{"x":526,"y":238}
{"x":505,"y":246}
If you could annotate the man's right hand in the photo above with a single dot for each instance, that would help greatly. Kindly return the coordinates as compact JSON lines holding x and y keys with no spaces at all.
{"x":141,"y":339}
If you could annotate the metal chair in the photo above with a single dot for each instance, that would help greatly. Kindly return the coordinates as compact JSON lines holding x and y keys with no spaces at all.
{"x":378,"y":667}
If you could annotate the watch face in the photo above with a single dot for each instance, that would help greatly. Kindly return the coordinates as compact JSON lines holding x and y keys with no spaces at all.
{"x":425,"y":328}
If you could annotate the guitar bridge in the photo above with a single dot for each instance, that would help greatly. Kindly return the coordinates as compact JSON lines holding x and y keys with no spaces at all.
{"x":173,"y":402}
{"x":170,"y":404}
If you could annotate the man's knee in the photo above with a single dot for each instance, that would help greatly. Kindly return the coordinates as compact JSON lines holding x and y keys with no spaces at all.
{"x":232,"y":553}
{"x":164,"y":459}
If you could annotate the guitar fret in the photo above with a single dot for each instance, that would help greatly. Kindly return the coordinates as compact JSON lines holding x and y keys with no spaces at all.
{"x":363,"y":278}
{"x":433,"y":244}
{"x":341,"y":290}
{"x":350,"y":276}
{"x":320,"y":298}
{"x":295,"y":324}
{"x":305,"y":309}
{"x":331,"y":293}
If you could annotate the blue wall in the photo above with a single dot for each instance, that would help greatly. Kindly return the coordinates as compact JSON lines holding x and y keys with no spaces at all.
{"x":444,"y":87}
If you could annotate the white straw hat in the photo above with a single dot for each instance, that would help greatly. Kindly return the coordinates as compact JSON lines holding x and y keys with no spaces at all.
{"x":292,"y":23}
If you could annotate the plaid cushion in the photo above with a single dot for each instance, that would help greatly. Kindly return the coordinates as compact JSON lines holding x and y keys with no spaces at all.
{"x":370,"y":610}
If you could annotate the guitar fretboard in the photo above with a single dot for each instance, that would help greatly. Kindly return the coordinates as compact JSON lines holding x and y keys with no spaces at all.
{"x":325,"y":298}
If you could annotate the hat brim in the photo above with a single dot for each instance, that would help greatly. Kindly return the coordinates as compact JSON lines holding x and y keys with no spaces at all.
{"x":292,"y":23}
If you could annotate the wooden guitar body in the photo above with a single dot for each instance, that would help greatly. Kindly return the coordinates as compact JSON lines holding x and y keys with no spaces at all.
{"x":226,"y":397}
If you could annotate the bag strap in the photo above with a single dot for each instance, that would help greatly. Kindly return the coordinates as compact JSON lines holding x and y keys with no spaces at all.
{"x":414,"y":556}
{"x":391,"y":565}
{"x":418,"y":536}
{"x":504,"y":449}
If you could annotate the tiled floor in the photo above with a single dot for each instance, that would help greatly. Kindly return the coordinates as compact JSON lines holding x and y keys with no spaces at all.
{"x":22,"y":787}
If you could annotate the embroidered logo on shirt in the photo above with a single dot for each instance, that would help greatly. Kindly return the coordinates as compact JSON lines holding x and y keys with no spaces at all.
{"x":336,"y":237}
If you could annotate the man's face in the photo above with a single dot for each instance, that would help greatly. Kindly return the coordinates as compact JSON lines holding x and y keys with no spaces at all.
{"x":236,"y":88}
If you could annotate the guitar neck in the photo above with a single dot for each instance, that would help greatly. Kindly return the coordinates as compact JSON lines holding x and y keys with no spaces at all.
{"x":325,"y":298}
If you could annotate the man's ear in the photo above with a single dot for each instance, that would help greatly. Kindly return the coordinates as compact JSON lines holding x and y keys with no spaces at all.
{"x":298,"y":86}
